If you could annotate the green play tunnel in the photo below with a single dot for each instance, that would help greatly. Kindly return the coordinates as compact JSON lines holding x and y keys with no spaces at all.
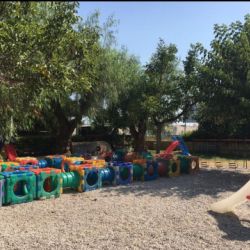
{"x":70,"y":179}
{"x":138,"y":171}
{"x":185,"y":162}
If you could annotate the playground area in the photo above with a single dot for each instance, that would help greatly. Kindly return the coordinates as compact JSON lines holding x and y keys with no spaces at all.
{"x":129,"y":200}
{"x":167,"y":213}
{"x":124,"y":126}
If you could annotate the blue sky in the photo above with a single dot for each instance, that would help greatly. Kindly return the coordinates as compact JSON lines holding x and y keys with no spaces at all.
{"x":141,"y":24}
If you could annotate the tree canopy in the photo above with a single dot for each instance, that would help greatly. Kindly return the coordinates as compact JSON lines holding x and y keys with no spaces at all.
{"x":223,"y":77}
{"x":169,"y":96}
{"x":48,"y":53}
{"x":57,"y":67}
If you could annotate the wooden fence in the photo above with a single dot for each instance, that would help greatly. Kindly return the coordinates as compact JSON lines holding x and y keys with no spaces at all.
{"x":230,"y":147}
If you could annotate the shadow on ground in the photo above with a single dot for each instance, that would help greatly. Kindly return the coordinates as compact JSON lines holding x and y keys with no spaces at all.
{"x":232,"y":226}
{"x":209,"y":182}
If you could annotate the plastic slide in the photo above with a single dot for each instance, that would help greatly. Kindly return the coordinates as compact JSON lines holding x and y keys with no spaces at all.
{"x":10,"y":152}
{"x":182,"y":144}
{"x":168,"y":151}
{"x":228,"y":204}
{"x":171,"y":147}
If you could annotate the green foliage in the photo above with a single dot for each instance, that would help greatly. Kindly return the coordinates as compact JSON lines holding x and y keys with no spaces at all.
{"x":57,"y":67}
{"x":123,"y":101}
{"x":48,"y":55}
{"x":223,"y":79}
{"x":120,"y":78}
{"x":168,"y":97}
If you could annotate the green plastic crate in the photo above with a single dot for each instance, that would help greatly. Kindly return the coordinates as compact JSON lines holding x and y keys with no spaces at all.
{"x":19,"y":187}
{"x":53,"y":180}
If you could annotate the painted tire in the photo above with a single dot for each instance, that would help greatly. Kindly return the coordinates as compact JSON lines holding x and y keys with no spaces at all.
{"x":163,"y":167}
{"x":174,"y":168}
{"x":194,"y":165}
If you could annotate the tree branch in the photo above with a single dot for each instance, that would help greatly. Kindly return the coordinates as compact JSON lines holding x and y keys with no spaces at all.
{"x":174,"y":118}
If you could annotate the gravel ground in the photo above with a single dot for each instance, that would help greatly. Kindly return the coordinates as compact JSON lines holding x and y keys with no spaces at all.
{"x":167,"y":213}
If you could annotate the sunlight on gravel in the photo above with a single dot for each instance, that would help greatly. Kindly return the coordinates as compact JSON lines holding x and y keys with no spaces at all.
{"x":169,"y":213}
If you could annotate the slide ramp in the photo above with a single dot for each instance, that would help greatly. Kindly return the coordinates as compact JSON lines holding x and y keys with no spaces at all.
{"x":171,"y":147}
{"x":228,"y":204}
{"x":182,"y":144}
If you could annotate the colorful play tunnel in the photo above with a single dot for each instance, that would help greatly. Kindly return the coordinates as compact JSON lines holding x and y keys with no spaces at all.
{"x":107,"y":175}
{"x":27,"y":180}
{"x":92,"y":179}
{"x":70,"y":180}
{"x":48,"y":182}
{"x":1,"y":189}
{"x":54,"y":161}
{"x":145,"y":169}
{"x":163,"y":167}
{"x":8,"y":165}
{"x":26,"y":160}
{"x":174,"y":168}
{"x":138,"y":172}
{"x":19,"y":187}
{"x":188,"y":164}
{"x":123,"y":172}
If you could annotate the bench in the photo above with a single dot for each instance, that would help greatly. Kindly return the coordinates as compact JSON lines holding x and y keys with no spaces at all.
{"x":232,"y":164}
{"x":218,"y":164}
{"x":204,"y":164}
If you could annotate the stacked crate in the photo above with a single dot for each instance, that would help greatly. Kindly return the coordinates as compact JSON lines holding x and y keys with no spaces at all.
{"x":19,"y":187}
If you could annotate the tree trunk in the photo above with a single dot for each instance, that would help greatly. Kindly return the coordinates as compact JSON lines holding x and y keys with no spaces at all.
{"x":139,"y":142}
{"x":63,"y":138}
{"x":65,"y":129}
{"x":159,"y":127}
{"x":139,"y":136}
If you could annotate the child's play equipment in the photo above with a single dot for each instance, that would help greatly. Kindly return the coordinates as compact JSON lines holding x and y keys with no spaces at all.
{"x":67,"y":161}
{"x":108,"y":175}
{"x":228,"y":204}
{"x":8,"y":165}
{"x":148,"y":170}
{"x":70,"y":180}
{"x":1,"y":189}
{"x":11,"y":154}
{"x":54,"y":161}
{"x":188,"y":164}
{"x":151,"y":170}
{"x":99,"y":163}
{"x":24,"y":179}
{"x":182,"y":144}
{"x":48,"y":182}
{"x":138,"y":172}
{"x":174,"y":168}
{"x":175,"y":164}
{"x":19,"y":187}
{"x":42,"y":163}
{"x":123,"y":172}
{"x":163,"y":167}
{"x":90,"y":178}
{"x":171,"y":147}
{"x":23,"y":167}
